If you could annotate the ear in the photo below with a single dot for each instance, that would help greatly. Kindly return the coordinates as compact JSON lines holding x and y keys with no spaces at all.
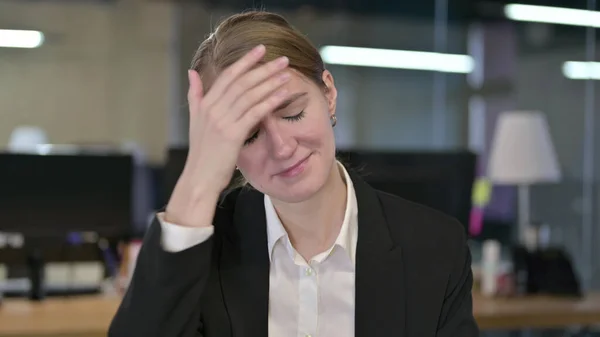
{"x":330,"y":91}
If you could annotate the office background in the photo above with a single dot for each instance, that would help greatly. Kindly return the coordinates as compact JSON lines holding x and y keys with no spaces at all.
{"x":112,"y":72}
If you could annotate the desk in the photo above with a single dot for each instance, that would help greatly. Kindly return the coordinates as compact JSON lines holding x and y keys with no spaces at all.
{"x":539,"y":312}
{"x":90,"y":316}
{"x":87,"y":316}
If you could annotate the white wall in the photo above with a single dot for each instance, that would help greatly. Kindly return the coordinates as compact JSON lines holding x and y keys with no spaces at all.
{"x":101,"y":76}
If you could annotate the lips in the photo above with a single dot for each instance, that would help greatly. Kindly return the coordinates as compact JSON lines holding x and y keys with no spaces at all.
{"x":292,"y":169}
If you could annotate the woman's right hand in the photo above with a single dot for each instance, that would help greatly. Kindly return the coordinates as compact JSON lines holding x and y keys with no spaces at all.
{"x":220,"y":123}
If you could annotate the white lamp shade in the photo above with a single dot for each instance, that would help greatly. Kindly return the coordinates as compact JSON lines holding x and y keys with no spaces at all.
{"x":522,"y":151}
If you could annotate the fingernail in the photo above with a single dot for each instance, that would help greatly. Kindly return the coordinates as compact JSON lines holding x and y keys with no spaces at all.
{"x":282,"y":60}
{"x":258,"y":49}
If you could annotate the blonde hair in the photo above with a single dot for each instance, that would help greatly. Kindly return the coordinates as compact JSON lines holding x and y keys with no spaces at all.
{"x":239,"y":33}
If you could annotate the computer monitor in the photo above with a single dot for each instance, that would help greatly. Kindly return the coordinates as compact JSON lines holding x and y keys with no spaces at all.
{"x":176,"y":158}
{"x":441,"y":180}
{"x":55,"y":194}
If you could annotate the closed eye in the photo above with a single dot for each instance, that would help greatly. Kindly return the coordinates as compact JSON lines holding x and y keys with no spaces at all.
{"x":294,"y":118}
{"x":251,"y":139}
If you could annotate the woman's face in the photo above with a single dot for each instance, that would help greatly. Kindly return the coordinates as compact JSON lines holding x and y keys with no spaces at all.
{"x":291,"y":153}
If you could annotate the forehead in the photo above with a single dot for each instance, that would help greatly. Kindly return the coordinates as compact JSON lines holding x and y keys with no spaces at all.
{"x":299,"y":82}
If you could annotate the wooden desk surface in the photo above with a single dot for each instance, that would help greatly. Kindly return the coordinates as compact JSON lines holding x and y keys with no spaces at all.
{"x":90,"y":316}
{"x":78,"y":316}
{"x":536,"y":312}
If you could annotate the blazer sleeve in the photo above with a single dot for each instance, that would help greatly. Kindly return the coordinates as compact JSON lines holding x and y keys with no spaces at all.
{"x":457,"y":310}
{"x":163,"y":297}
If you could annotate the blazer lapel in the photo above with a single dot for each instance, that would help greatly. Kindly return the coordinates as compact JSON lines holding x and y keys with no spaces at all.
{"x":244,"y":264}
{"x":380,"y":294}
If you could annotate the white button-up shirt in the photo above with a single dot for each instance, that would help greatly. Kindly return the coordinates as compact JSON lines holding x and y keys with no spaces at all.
{"x":306,"y":298}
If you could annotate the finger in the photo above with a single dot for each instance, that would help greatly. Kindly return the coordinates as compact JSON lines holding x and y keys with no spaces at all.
{"x":195,"y":90}
{"x":254,"y":77}
{"x":253,"y":116}
{"x":257,"y":94}
{"x":232,"y":72}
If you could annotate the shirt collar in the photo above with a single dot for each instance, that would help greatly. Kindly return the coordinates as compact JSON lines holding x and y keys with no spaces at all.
{"x":347,"y":238}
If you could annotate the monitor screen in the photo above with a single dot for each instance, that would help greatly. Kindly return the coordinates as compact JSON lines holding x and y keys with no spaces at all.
{"x":441,"y":180}
{"x":176,"y":158}
{"x":50,"y":195}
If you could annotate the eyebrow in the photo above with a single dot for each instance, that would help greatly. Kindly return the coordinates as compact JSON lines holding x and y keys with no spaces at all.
{"x":290,"y":100}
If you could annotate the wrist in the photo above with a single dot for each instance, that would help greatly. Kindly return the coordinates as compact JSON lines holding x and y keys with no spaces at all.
{"x":192,"y":205}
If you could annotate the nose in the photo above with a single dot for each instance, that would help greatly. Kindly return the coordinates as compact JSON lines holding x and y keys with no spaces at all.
{"x":281,"y":144}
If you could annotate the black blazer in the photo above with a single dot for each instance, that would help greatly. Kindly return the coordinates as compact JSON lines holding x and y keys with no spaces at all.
{"x":413,"y":275}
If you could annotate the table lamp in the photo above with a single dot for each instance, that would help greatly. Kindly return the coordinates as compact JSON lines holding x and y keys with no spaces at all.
{"x":522,"y":154}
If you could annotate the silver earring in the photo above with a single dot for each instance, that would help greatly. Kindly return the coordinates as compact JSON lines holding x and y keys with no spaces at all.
{"x":333,"y":119}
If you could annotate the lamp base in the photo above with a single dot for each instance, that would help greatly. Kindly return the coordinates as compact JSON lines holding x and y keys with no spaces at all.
{"x":524,"y":221}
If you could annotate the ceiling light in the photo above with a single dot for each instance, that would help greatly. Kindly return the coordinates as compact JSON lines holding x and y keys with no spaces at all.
{"x":553,"y":15}
{"x":398,"y":59}
{"x":581,"y":70}
{"x":10,"y":38}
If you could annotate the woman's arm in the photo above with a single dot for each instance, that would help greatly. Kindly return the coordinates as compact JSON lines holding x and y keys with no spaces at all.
{"x":163,"y":297}
{"x":457,"y":311}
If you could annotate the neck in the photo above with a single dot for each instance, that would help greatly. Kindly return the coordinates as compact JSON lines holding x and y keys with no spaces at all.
{"x":313,"y":225}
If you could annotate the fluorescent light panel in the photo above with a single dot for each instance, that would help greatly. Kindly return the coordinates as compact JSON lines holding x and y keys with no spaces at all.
{"x":581,"y":70}
{"x":10,"y":38}
{"x":553,"y":15}
{"x":398,"y":59}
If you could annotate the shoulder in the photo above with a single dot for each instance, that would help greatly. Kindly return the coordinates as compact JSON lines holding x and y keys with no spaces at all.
{"x":238,"y":206}
{"x":420,"y":228}
{"x":228,"y":201}
{"x":228,"y":197}
{"x":418,"y":217}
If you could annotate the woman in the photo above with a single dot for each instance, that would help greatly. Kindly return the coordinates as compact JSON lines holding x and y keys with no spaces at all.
{"x":310,"y":249}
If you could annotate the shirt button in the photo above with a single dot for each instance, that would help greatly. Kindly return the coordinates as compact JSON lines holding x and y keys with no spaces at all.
{"x":308,"y":272}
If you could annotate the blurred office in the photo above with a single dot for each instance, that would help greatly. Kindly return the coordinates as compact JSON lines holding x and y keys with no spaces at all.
{"x":486,"y":110}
